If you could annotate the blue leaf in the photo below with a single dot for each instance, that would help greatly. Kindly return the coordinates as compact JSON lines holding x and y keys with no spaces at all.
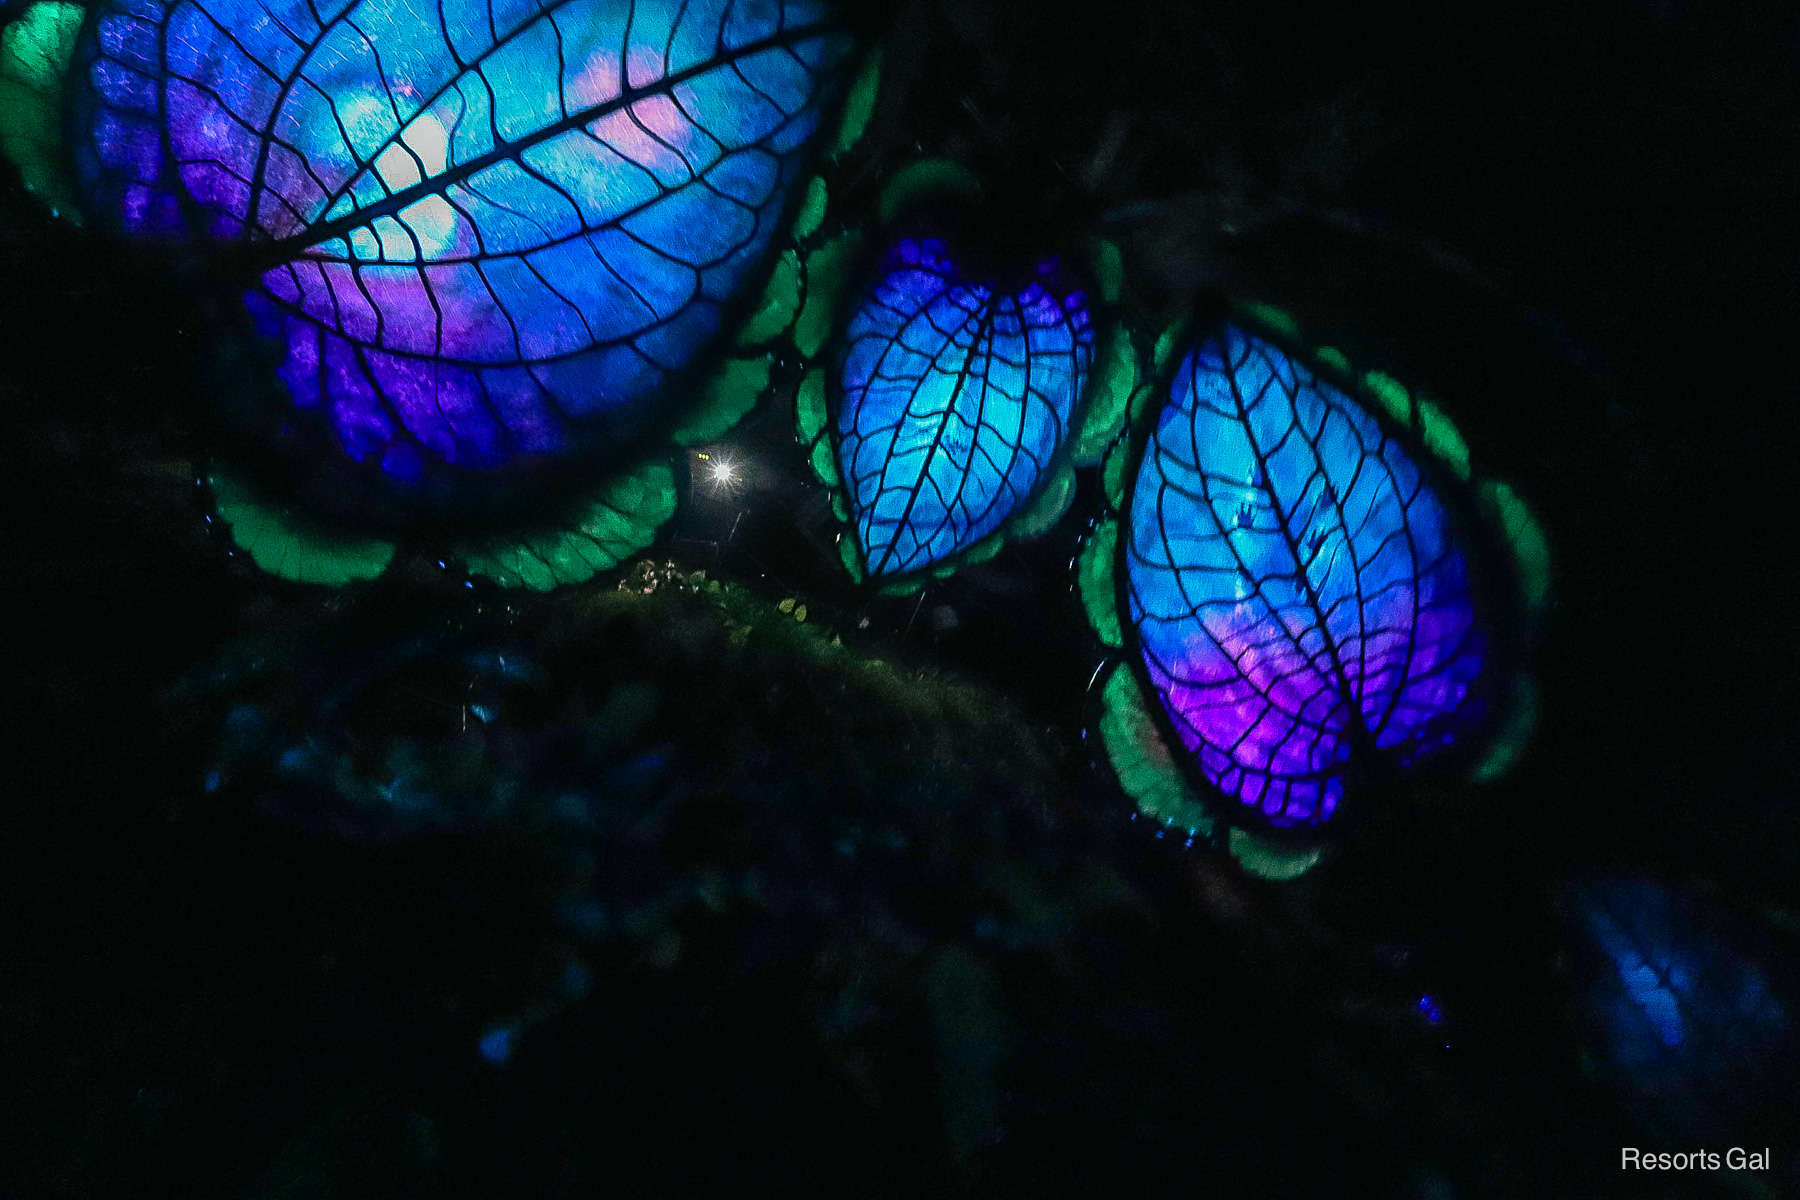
{"x":955,"y":398}
{"x":1300,"y":601}
{"x":478,"y":229}
{"x":1674,"y":999}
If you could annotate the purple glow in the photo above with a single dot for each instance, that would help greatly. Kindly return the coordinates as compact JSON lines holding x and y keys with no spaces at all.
{"x":473,"y":238}
{"x":1296,"y":587}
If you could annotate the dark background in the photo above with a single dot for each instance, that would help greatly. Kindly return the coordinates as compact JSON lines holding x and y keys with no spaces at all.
{"x":888,"y":931}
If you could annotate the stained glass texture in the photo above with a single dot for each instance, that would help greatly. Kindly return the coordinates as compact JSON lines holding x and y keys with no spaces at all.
{"x":1300,"y":601}
{"x":470,"y":226}
{"x":955,"y":396}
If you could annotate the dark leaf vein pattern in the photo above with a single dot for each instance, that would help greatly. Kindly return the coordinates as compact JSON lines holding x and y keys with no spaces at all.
{"x":1300,"y":600}
{"x":955,"y":397}
{"x":473,"y":225}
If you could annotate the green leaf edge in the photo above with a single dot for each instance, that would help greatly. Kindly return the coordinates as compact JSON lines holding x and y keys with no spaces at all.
{"x":1112,"y":473}
{"x":291,"y":545}
{"x":1047,"y":508}
{"x":924,"y":179}
{"x":1513,"y":734}
{"x":811,"y":217}
{"x":1096,"y":577}
{"x":617,"y":520}
{"x":1525,"y":539}
{"x":1149,"y":776}
{"x":1107,"y":262}
{"x":1109,"y":399}
{"x":859,"y":106}
{"x":726,"y":399}
{"x":809,"y":406}
{"x":36,"y":48}
{"x":1141,"y":761}
{"x":779,"y":306}
{"x":827,"y":273}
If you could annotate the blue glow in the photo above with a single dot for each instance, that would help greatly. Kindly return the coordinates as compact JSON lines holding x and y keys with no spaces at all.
{"x":955,"y":397}
{"x":483,"y":227}
{"x":496,"y":1046}
{"x":1294,"y":583}
{"x":1429,"y":1009}
{"x":1677,"y":1001}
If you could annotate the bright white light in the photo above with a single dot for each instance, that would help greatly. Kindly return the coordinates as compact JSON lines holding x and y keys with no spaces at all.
{"x":723,"y":474}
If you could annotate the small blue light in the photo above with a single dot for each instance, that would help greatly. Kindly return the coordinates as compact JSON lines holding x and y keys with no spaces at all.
{"x":497,"y":1045}
{"x":1431,"y":1011}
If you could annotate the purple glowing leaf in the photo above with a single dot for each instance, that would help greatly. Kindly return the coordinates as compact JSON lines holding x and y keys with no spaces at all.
{"x":477,"y":232}
{"x":1300,"y":600}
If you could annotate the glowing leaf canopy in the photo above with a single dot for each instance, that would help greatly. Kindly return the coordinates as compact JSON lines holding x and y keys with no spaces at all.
{"x":954,"y":397}
{"x":475,"y":231}
{"x":1300,"y":598}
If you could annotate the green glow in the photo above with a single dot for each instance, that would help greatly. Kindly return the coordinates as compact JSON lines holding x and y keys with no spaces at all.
{"x":827,"y":271}
{"x":809,"y":406}
{"x":1266,"y":860}
{"x":1115,"y":377}
{"x":780,"y":303}
{"x":34,"y":54}
{"x":619,"y":520}
{"x":1165,"y":345}
{"x":730,"y":394}
{"x":1273,"y":320}
{"x":1149,"y":775}
{"x":824,"y":463}
{"x":980,"y":552}
{"x":852,"y":560}
{"x":931,"y":177}
{"x":1141,"y":761}
{"x":812,"y":210}
{"x":1434,"y":427}
{"x":290,"y":545}
{"x":1385,"y":390}
{"x":859,"y":106}
{"x":1443,"y":438}
{"x":1094,"y":574}
{"x":1514,"y":735}
{"x":1109,"y":269}
{"x":1112,"y":473}
{"x":1530,"y":549}
{"x":1333,"y":359}
{"x":1046,"y":509}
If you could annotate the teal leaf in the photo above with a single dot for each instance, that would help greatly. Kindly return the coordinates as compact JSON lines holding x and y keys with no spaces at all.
{"x":954,"y":398}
